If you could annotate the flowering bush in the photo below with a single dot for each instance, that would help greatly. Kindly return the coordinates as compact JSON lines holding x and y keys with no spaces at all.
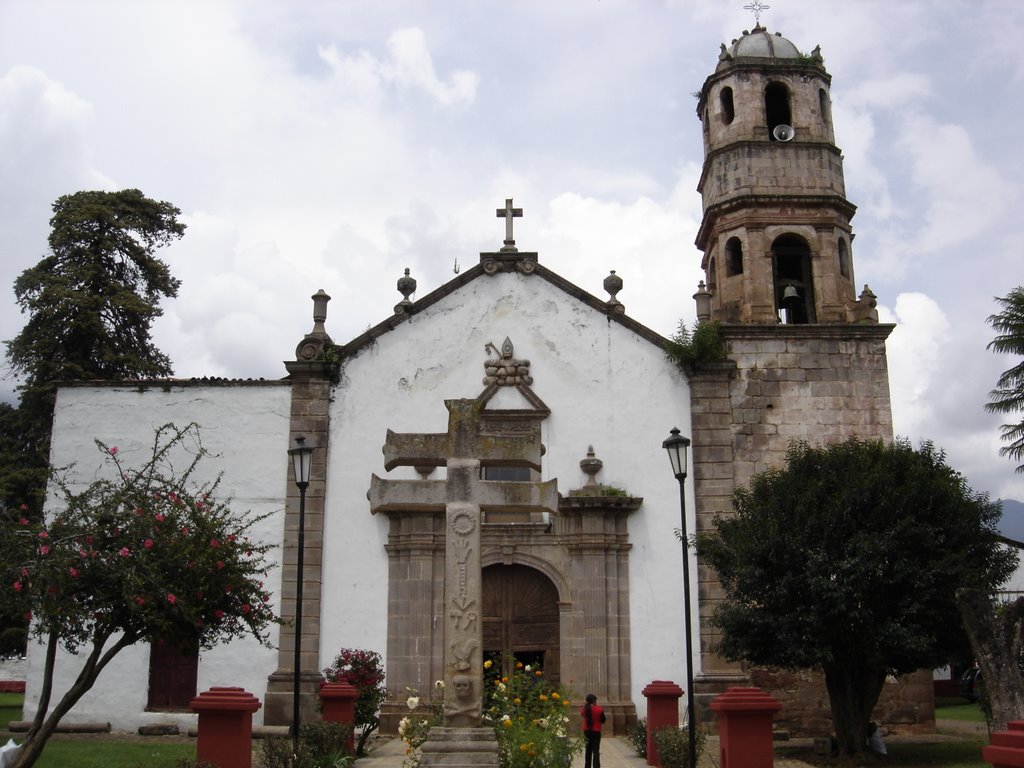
{"x":364,"y":670}
{"x":150,"y":554}
{"x":530,"y":718}
{"x":415,"y":727}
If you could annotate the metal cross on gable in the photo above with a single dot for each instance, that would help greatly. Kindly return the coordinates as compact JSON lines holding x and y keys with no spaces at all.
{"x":508,"y":213}
{"x":757,"y":7}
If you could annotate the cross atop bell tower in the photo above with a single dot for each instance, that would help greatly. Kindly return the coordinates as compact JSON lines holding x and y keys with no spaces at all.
{"x":776,"y":233}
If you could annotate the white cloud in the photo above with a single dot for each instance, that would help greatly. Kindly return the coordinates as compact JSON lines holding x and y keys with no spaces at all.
{"x":409,"y":65}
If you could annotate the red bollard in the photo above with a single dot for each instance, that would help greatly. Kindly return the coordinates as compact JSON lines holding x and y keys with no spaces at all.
{"x":745,"y":727}
{"x":1007,"y":747}
{"x":340,"y":706}
{"x":662,"y":710}
{"x":225,"y":726}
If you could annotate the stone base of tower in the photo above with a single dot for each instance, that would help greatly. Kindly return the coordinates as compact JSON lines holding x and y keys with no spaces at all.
{"x":461,"y":747}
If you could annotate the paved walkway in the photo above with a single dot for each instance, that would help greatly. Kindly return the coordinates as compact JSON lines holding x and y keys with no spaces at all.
{"x":615,"y":753}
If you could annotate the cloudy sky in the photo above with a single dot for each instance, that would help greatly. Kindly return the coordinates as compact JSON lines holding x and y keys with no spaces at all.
{"x":332,"y":144}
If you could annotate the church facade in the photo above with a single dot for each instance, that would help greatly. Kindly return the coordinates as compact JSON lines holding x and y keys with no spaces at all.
{"x":562,"y":401}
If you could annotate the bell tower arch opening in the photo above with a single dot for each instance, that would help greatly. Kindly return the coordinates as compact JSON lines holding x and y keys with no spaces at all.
{"x":776,"y":107}
{"x":793,"y":279}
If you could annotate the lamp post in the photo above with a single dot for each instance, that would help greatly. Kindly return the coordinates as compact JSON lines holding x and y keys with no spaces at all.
{"x":677,"y":447}
{"x":301,"y":456}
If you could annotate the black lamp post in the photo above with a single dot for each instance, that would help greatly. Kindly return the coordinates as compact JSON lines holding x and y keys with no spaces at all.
{"x":301,"y":456}
{"x":677,"y":447}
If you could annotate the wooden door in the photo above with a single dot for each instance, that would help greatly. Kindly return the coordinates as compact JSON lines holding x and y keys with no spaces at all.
{"x":172,"y":676}
{"x":520,"y":617}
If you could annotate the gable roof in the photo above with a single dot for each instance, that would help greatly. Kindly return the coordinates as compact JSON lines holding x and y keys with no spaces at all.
{"x":493,"y":263}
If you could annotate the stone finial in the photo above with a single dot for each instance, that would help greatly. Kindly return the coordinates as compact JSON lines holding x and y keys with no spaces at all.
{"x":865,"y":309}
{"x":316,"y":341}
{"x":406,"y":287}
{"x":703,"y":299}
{"x":613,"y":284}
{"x":591,"y":466}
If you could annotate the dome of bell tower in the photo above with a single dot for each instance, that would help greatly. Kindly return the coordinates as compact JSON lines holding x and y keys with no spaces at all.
{"x":760,"y":44}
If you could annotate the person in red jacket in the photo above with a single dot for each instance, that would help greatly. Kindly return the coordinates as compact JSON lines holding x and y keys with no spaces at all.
{"x":593,"y":717}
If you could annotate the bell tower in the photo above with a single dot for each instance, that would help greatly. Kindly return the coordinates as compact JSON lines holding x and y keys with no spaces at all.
{"x":776,"y":234}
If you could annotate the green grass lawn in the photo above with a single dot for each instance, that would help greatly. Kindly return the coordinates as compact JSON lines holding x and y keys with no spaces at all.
{"x":956,"y":708}
{"x":153,"y":752}
{"x":962,"y":753}
{"x":10,"y":707}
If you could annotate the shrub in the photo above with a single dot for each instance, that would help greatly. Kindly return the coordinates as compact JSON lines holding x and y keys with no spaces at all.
{"x":637,"y":735}
{"x":530,"y":718}
{"x":321,"y":745}
{"x":704,"y":344}
{"x":673,"y":747}
{"x":415,"y":728}
{"x":364,"y":670}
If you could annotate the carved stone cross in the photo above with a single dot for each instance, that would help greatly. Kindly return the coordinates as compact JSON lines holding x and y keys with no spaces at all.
{"x":508,"y":213}
{"x":463,"y":449}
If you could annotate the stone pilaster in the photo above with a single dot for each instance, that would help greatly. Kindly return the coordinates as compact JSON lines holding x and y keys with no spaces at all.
{"x":311,"y":389}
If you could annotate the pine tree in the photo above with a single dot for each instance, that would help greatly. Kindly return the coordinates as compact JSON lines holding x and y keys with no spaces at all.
{"x":90,"y":305}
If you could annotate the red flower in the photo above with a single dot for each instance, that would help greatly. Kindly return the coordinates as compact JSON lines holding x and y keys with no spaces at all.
{"x":17,"y":586}
{"x":220,"y":565}
{"x":23,"y":521}
{"x":44,"y":535}
{"x":171,"y":598}
{"x":73,"y":572}
{"x":124,"y":552}
{"x":112,"y":450}
{"x":219,"y":614}
{"x":232,"y":538}
{"x":214,"y":543}
{"x":23,"y":507}
{"x":148,"y":543}
{"x":44,"y":550}
{"x":142,"y":601}
{"x":158,"y":517}
{"x":139,"y":511}
{"x":245,"y":608}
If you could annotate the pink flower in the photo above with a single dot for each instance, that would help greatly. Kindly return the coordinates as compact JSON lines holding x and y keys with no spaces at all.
{"x":214,"y":543}
{"x":139,"y":600}
{"x":219,"y":614}
{"x":124,"y":552}
{"x":148,"y":543}
{"x":158,"y":517}
{"x":73,"y":572}
{"x":171,"y":598}
{"x":232,"y":538}
{"x":23,"y":507}
{"x":17,"y":586}
{"x":185,"y":530}
{"x":23,"y":521}
{"x":112,"y":450}
{"x":245,"y":608}
{"x":44,"y":535}
{"x":220,"y":565}
{"x":44,"y":550}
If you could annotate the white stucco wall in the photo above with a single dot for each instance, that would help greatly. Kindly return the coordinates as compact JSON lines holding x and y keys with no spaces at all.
{"x":605,"y":386}
{"x":245,"y":427}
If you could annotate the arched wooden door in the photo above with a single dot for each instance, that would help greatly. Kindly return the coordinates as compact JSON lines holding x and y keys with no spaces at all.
{"x":520,"y":615}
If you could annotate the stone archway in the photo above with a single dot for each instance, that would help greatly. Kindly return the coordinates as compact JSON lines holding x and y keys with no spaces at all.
{"x":521,"y":617}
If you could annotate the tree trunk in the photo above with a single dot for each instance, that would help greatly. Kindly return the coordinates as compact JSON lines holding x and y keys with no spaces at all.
{"x":32,"y":747}
{"x":996,"y":639}
{"x":853,"y":690}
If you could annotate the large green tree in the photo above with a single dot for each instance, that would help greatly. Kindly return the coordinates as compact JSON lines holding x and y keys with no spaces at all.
{"x":146,"y":552}
{"x":1008,"y":397}
{"x":91,"y":303}
{"x":848,"y":559}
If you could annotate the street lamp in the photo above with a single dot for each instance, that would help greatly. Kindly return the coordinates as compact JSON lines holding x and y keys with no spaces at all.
{"x":678,"y":447}
{"x":301,"y":456}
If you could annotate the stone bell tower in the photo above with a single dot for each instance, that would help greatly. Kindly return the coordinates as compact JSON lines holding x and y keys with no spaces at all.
{"x":806,"y":357}
{"x":776,"y":233}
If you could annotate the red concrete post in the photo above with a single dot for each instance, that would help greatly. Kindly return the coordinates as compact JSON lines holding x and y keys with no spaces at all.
{"x":745,"y":727}
{"x":662,"y":710}
{"x":1007,"y":747}
{"x":340,"y":706}
{"x":225,"y":726}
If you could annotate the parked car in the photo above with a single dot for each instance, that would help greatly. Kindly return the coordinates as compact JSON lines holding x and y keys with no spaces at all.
{"x":969,"y":682}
